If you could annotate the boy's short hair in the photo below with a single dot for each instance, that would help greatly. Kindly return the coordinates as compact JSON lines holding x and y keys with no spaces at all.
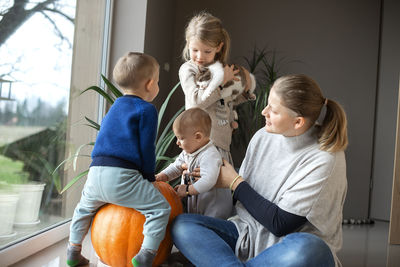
{"x":194,"y":119}
{"x":134,"y":67}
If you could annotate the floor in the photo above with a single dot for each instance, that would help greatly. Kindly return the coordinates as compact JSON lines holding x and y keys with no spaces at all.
{"x":363,"y":246}
{"x":367,"y":246}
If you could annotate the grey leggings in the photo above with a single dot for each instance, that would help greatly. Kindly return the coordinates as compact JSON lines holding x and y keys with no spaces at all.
{"x":124,"y":187}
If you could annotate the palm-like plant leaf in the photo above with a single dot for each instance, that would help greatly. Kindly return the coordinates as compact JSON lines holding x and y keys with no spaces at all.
{"x":101,"y":92}
{"x":74,"y":180}
{"x":165,"y":104}
{"x":264,"y":66}
{"x":114,"y":90}
{"x":93,"y":124}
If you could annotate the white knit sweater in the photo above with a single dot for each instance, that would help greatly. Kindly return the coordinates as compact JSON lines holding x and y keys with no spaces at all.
{"x":209,"y":100}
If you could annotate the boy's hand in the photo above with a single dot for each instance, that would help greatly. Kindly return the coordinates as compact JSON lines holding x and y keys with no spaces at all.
{"x":161,"y":177}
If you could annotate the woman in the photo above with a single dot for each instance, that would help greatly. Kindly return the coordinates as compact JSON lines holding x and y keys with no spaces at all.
{"x":290,"y":191}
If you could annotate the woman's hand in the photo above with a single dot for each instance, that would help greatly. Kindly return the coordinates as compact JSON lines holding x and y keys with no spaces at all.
{"x":227,"y":175}
{"x":229,"y":74}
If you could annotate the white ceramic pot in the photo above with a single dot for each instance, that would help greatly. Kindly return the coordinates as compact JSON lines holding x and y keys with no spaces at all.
{"x":8,"y":207}
{"x":30,"y":197}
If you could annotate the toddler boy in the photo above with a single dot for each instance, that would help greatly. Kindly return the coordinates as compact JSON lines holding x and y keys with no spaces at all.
{"x":123,"y":161}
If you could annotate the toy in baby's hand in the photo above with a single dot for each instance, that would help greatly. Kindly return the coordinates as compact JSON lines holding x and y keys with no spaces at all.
{"x":207,"y":76}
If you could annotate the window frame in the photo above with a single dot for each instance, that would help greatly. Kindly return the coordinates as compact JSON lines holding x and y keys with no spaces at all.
{"x":91,"y":38}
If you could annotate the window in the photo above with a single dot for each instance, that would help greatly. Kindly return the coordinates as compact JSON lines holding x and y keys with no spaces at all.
{"x":35,"y":74}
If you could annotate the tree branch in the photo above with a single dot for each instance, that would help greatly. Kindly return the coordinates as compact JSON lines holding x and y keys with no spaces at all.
{"x":60,"y":13}
{"x":56,"y":29}
{"x":17,"y":15}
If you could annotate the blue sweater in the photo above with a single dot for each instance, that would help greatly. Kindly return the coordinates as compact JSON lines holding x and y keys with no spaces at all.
{"x":127,"y":136}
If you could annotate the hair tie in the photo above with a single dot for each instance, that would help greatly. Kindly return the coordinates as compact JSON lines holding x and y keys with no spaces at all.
{"x":326,"y":102}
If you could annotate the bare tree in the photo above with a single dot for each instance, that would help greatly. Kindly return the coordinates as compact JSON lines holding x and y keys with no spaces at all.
{"x":15,"y":16}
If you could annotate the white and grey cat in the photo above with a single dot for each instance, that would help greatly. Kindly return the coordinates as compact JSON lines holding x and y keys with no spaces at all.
{"x":230,"y":91}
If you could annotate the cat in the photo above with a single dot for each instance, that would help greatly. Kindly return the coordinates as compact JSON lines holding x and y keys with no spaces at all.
{"x":230,"y":91}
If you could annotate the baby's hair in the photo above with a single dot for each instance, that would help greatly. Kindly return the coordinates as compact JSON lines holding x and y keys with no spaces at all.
{"x":207,"y":29}
{"x":134,"y":67}
{"x":302,"y":94}
{"x":194,"y":119}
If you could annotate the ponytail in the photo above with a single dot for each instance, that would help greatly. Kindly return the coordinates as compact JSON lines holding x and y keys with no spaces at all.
{"x":303,"y":95}
{"x":333,"y":133}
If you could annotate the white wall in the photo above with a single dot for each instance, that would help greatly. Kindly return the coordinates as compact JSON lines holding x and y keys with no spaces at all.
{"x":128,"y":29}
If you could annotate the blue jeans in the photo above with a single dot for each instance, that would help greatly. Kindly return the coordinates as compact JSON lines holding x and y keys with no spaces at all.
{"x":207,"y":241}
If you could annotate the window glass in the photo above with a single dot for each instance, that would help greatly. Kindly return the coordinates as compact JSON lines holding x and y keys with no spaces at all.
{"x":35,"y":70}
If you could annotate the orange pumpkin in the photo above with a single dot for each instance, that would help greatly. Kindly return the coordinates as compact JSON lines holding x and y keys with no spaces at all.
{"x":117,"y":231}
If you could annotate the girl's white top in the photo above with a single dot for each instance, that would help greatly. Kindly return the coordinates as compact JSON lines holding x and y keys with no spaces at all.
{"x":209,"y":100}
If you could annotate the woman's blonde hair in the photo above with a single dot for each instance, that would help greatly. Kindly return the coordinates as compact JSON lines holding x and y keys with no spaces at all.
{"x":207,"y":29}
{"x":302,"y":94}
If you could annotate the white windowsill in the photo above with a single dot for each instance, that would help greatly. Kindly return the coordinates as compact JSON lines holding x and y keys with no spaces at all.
{"x":28,"y":247}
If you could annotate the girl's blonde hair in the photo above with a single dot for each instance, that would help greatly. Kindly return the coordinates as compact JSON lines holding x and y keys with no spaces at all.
{"x":302,"y":94}
{"x":207,"y":29}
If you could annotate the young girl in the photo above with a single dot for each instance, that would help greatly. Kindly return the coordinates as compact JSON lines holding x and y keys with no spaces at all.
{"x":207,"y":42}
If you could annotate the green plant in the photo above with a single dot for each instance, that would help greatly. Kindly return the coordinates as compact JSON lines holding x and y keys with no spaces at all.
{"x":163,"y":142}
{"x":264,"y":65}
{"x":12,"y":172}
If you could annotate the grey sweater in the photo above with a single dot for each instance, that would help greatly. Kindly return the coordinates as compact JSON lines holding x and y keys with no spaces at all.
{"x":295,"y":174}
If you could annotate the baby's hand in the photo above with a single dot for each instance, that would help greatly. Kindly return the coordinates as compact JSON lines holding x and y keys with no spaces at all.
{"x":161,"y":177}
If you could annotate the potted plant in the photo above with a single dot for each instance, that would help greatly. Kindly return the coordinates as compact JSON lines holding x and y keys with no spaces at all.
{"x":265,"y":66}
{"x":8,"y":207}
{"x":24,"y":196}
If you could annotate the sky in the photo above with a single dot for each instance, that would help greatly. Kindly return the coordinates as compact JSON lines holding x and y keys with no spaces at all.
{"x":42,"y":63}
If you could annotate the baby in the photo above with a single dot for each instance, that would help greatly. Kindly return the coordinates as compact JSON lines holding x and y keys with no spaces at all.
{"x":192,"y":129}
